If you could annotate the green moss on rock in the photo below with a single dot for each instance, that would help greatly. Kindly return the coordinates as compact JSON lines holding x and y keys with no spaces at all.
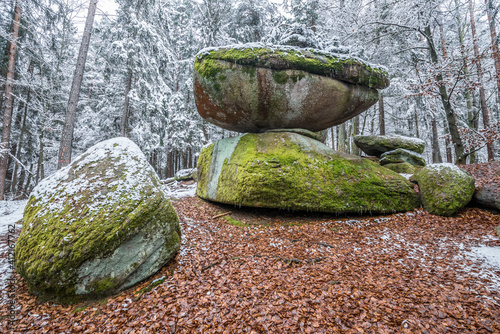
{"x":445,"y":189}
{"x":280,"y":58}
{"x":289,"y":171}
{"x":402,"y":167}
{"x":274,"y":99}
{"x":400,"y":156}
{"x":377,"y":145}
{"x":80,"y":217}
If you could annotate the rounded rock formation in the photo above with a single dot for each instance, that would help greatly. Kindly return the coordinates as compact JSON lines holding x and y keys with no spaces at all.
{"x":257,"y":88}
{"x":377,"y":145}
{"x":290,"y":171}
{"x":97,"y":226}
{"x":444,"y":188}
{"x":401,"y":155}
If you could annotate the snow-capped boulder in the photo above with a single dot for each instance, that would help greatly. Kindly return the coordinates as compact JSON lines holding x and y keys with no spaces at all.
{"x":253,"y":88}
{"x":97,"y":226}
{"x":444,"y":188}
{"x":376,"y":145}
{"x":185,"y":174}
{"x":401,"y":155}
{"x":287,"y":170}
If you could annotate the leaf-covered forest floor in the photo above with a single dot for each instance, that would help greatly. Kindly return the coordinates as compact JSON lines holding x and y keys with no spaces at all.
{"x":261,"y":271}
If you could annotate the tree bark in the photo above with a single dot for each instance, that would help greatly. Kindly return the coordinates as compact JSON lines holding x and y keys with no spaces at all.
{"x":23,"y":128}
{"x":494,"y":42}
{"x":128,"y":84}
{"x":436,"y":153}
{"x":9,"y":99}
{"x":443,"y":93}
{"x":342,"y":137}
{"x":355,"y":132}
{"x":482,"y":94}
{"x":416,"y":122}
{"x":381,"y":115}
{"x":125,"y":114}
{"x":333,"y":138}
{"x":69,"y":122}
{"x":170,"y":162}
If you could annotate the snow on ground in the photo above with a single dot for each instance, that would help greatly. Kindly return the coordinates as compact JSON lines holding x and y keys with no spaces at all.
{"x":181,"y":189}
{"x":11,"y":212}
{"x":491,"y":255}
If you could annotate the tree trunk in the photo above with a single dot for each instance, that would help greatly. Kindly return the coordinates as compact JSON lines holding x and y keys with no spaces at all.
{"x":69,"y":122}
{"x":40,"y":170}
{"x":381,"y":115}
{"x":333,"y":138}
{"x":494,"y":42}
{"x":416,"y":122}
{"x":125,"y":113}
{"x":341,"y":140}
{"x":128,"y":84}
{"x":28,"y":182}
{"x":355,"y":132}
{"x":436,"y":153}
{"x":23,"y":128}
{"x":443,"y":93}
{"x":9,"y":99}
{"x":468,"y":98}
{"x":482,"y":94}
{"x":169,"y":169}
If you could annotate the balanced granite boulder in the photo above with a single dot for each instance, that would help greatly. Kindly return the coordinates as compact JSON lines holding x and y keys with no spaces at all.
{"x":97,"y":226}
{"x":377,"y":145}
{"x":253,"y":88}
{"x":401,"y":155}
{"x":444,"y":188}
{"x":287,"y":170}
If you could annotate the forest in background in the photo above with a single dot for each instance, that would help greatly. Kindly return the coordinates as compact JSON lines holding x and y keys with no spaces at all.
{"x":442,"y":57}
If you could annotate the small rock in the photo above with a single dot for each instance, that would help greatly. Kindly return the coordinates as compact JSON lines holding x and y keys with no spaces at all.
{"x":376,"y":145}
{"x":401,"y":155}
{"x":185,"y":174}
{"x":444,"y":188}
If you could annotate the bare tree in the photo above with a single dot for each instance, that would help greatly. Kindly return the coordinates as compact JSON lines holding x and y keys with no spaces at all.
{"x":69,"y":122}
{"x":9,"y":99}
{"x":494,"y":41}
{"x":482,"y":94}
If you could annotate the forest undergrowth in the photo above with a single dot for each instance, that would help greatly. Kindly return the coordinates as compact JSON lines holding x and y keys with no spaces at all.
{"x":279,"y":272}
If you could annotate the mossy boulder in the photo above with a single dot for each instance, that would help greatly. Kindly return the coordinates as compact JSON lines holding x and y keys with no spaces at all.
{"x":444,"y":188}
{"x":97,"y":226}
{"x":377,"y":145}
{"x":487,"y":179}
{"x":289,"y":171}
{"x":253,"y":89}
{"x":184,"y":174}
{"x":402,"y":167}
{"x":401,"y":155}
